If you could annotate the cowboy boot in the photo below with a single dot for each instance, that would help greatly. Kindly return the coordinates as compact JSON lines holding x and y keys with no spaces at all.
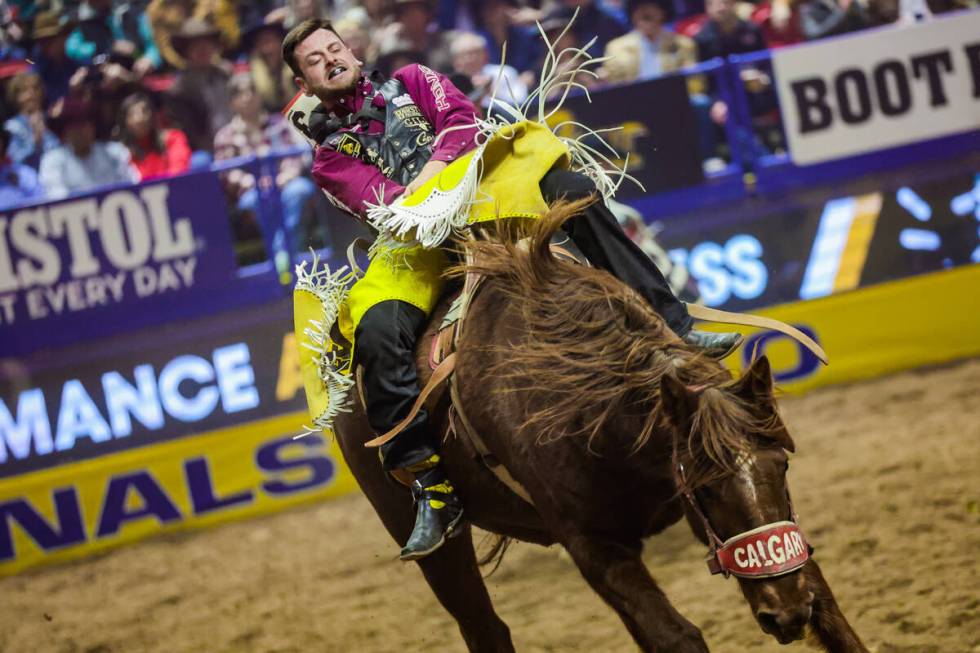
{"x":716,"y":345}
{"x":438,"y":510}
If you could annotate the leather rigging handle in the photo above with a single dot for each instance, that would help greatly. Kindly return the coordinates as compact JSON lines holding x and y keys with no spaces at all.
{"x":716,"y":315}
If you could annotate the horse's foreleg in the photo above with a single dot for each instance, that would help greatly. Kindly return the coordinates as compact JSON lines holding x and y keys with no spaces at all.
{"x":618,"y":574}
{"x":454,"y":575}
{"x":830,"y":628}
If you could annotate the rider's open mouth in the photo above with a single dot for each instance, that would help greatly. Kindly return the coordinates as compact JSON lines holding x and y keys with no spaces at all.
{"x":339,"y":70}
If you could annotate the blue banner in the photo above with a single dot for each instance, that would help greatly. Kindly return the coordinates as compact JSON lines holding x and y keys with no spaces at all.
{"x":121,"y":258}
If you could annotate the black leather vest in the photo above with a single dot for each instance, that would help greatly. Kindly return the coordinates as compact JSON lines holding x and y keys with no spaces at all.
{"x":400,"y":151}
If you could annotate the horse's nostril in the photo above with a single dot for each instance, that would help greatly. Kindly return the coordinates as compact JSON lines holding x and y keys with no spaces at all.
{"x":768,"y":621}
{"x":785,"y":625}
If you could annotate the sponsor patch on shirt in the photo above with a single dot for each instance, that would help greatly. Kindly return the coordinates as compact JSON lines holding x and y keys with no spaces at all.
{"x":412,"y":117}
{"x":349,"y":145}
{"x":402,"y":100}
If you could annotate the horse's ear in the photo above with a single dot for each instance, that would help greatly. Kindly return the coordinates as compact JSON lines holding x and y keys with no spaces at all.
{"x":756,"y":381}
{"x":755,"y":386}
{"x":677,"y":400}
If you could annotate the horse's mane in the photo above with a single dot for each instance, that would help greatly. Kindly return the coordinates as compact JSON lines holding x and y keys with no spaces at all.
{"x":596,"y":349}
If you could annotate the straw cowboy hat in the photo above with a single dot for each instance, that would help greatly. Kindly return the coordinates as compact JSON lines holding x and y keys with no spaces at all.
{"x":49,"y":24}
{"x":194,"y":29}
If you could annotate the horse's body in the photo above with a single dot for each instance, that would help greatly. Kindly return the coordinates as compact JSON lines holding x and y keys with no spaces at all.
{"x":600,"y":466}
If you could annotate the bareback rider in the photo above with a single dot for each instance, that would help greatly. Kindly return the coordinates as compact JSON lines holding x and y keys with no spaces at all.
{"x":382,"y":138}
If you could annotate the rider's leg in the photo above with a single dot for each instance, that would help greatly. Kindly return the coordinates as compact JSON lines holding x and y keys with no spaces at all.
{"x":600,"y":238}
{"x":385,"y":343}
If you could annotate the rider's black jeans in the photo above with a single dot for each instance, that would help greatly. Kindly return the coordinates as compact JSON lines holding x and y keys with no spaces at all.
{"x":599,"y":237}
{"x":385,"y":345}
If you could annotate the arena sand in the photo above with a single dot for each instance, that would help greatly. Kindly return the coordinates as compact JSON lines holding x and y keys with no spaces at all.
{"x":885,"y":480}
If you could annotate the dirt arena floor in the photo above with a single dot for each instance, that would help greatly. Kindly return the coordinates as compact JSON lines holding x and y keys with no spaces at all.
{"x":886,"y":480}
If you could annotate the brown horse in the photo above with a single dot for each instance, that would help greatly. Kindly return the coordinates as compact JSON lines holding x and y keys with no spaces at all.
{"x":609,"y":421}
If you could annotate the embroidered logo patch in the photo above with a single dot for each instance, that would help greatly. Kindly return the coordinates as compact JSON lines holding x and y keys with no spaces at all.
{"x":412,"y":117}
{"x":402,"y":100}
{"x":349,"y":145}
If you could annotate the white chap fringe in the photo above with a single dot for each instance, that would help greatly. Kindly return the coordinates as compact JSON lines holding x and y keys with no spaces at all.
{"x":430,"y":222}
{"x":331,"y":288}
{"x":446,"y":213}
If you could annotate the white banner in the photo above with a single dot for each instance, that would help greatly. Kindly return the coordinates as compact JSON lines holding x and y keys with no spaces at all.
{"x":874,"y":90}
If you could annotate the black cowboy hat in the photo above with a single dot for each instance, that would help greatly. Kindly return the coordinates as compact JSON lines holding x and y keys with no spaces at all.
{"x":252,"y":31}
{"x":193,"y":29}
{"x":667,"y":6}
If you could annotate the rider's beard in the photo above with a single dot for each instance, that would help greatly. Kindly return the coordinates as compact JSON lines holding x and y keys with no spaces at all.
{"x":332,"y":95}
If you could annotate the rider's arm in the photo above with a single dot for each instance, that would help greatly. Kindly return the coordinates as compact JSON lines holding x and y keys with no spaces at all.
{"x":444,"y":106}
{"x":351,"y":181}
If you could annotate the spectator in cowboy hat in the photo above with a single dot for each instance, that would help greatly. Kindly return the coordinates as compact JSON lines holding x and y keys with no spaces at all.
{"x":18,"y":183}
{"x":649,"y":50}
{"x":169,"y":17}
{"x":262,"y":42}
{"x":48,"y":36}
{"x":202,"y":99}
{"x":81,"y":163}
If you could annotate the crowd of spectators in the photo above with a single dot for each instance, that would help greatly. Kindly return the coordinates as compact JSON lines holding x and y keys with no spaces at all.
{"x":99,"y":92}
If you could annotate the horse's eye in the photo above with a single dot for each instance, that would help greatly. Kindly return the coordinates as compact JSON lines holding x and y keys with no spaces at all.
{"x":785,"y":466}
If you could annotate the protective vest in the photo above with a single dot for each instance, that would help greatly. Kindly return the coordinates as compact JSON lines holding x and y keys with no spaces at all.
{"x":400,"y":151}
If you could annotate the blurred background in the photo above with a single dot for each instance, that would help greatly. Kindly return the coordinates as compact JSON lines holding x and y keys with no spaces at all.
{"x":817,"y":161}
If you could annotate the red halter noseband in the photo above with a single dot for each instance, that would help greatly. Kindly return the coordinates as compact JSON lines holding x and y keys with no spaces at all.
{"x":770,"y":550}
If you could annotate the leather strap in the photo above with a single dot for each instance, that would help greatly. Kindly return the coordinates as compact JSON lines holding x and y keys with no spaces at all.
{"x":439,"y":376}
{"x":486,"y":456}
{"x":716,"y":315}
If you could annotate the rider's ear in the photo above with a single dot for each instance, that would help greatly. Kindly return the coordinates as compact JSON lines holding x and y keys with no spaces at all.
{"x":677,"y":400}
{"x":302,"y":85}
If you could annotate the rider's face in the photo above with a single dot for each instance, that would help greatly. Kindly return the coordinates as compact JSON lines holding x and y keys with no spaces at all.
{"x":330,"y":69}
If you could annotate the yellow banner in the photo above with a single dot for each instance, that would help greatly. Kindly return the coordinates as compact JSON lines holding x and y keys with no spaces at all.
{"x":885,"y":328}
{"x":75,"y":510}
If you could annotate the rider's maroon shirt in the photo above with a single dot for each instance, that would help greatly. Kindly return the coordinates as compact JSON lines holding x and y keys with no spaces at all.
{"x":352,"y":182}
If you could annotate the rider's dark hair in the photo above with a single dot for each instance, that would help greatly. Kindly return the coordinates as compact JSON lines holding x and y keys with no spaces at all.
{"x":299,"y":34}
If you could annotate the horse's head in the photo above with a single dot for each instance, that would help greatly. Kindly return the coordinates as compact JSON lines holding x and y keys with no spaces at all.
{"x":730,"y":463}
